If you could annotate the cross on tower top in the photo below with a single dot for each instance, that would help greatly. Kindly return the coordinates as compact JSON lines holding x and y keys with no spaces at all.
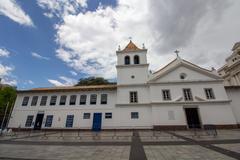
{"x":177,"y":51}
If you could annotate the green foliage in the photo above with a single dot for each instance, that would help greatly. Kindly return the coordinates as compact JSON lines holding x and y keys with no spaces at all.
{"x":7,"y":94}
{"x":93,"y":81}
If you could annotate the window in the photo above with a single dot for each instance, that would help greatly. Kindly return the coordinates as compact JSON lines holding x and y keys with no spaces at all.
{"x":73,"y":99}
{"x":133,"y":97}
{"x":103,"y":98}
{"x":209,"y":93}
{"x":134,"y":115}
{"x":34,"y":100}
{"x":108,"y":115}
{"x":183,"y":75}
{"x":29,"y":121}
{"x":127,"y":60}
{"x":86,"y":115}
{"x":166,"y":94}
{"x":48,"y":122}
{"x":187,"y":94}
{"x":25,"y":101}
{"x":93,"y":99}
{"x":83,"y":99}
{"x":43,"y":101}
{"x":69,"y":120}
{"x":63,"y":100}
{"x":136,"y":59}
{"x":53,"y":100}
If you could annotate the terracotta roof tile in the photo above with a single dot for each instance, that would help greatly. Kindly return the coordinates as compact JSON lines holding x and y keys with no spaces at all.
{"x":71,"y":88}
{"x":131,"y":47}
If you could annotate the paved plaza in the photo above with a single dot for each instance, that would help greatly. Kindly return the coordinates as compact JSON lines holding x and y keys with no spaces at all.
{"x":120,"y":145}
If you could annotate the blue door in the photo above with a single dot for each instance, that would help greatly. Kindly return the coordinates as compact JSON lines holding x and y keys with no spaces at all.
{"x":97,"y":122}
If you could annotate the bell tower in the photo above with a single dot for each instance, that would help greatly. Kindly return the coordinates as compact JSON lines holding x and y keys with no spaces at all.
{"x":132,"y":66}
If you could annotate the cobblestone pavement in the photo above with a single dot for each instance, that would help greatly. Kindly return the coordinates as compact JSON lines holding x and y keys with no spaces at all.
{"x":132,"y":145}
{"x":182,"y":152}
{"x":231,"y":147}
{"x":64,"y":152}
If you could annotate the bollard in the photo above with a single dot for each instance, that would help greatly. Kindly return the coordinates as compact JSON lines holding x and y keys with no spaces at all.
{"x":79,"y":137}
{"x":45,"y":134}
{"x":61,"y":134}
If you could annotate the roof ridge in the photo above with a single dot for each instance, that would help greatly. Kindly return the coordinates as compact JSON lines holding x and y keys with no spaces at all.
{"x":131,"y":47}
{"x":165,"y":66}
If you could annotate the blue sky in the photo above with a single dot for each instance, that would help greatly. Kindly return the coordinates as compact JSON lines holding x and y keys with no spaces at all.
{"x":21,"y":41}
{"x":53,"y":43}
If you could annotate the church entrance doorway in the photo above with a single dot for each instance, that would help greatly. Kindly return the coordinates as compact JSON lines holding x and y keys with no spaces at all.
{"x":192,"y":117}
{"x":38,"y":121}
{"x":97,"y":122}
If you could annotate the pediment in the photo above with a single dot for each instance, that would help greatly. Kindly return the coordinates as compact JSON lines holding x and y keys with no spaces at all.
{"x":177,"y":68}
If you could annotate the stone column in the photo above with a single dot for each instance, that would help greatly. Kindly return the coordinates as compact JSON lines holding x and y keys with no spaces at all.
{"x":234,"y":81}
{"x":237,"y":79}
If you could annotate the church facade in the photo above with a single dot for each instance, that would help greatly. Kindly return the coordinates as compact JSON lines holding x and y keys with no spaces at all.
{"x":180,"y":95}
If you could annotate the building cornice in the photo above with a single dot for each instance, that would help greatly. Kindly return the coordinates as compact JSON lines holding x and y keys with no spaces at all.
{"x":70,"y":88}
{"x":169,"y":82}
{"x":184,"y":82}
{"x":132,"y":104}
{"x":173,"y":103}
{"x":233,"y":65}
{"x":193,"y":102}
{"x":136,"y":51}
{"x":132,"y":65}
{"x":133,"y":85}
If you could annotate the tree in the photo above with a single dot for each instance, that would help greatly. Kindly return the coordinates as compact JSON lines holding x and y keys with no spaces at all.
{"x":93,"y":81}
{"x":7,"y":96}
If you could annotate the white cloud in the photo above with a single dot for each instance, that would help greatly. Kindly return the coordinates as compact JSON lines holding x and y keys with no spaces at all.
{"x":12,"y":10}
{"x":64,"y":81}
{"x":8,"y":81}
{"x":30,"y":82}
{"x":4,"y":52}
{"x":73,"y":73}
{"x":5,"y":75}
{"x":55,"y":82}
{"x":61,"y":7}
{"x":205,"y":29}
{"x":36,"y":55}
{"x":5,"y":70}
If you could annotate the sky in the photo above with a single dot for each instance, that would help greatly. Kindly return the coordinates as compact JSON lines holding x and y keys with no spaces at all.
{"x":47,"y":43}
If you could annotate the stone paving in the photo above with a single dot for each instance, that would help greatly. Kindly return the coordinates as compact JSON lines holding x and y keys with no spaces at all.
{"x":64,"y":152}
{"x":201,"y":135}
{"x":182,"y":152}
{"x":153,"y":145}
{"x":157,"y":136}
{"x":231,"y":147}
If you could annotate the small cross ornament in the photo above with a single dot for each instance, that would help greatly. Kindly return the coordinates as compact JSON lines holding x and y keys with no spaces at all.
{"x":177,"y":51}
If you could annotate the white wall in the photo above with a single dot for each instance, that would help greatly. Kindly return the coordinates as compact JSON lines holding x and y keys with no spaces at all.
{"x":191,"y":75}
{"x":140,"y":73}
{"x":124,"y":121}
{"x":60,"y":113}
{"x":123,"y":94}
{"x":161,"y":115}
{"x":220,"y":114}
{"x":141,"y":54}
{"x":176,"y":90}
{"x":234,"y":95}
{"x":217,"y":114}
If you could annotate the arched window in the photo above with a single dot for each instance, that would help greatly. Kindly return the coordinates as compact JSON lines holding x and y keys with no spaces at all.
{"x":136,"y":59}
{"x":127,"y":60}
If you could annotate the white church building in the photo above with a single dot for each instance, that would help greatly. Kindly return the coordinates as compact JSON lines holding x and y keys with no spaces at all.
{"x":180,"y":95}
